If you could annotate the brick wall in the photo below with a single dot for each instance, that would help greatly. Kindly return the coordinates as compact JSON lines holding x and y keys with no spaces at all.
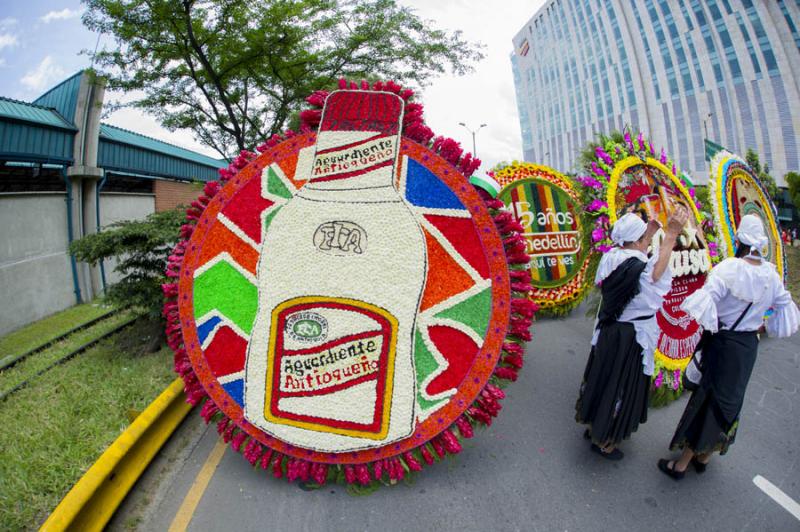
{"x":170,"y":194}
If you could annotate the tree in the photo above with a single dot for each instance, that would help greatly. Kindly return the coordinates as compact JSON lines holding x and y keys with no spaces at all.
{"x":793,"y":181}
{"x":235,"y":71}
{"x":142,"y":248}
{"x":762,"y":173}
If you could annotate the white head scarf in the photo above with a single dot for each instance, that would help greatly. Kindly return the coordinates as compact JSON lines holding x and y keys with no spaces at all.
{"x":751,"y":233}
{"x":629,"y":228}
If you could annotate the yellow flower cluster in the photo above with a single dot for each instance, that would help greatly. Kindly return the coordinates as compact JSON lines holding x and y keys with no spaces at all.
{"x":522,"y":170}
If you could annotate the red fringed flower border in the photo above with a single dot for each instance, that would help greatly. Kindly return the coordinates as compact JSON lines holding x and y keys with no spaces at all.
{"x":448,"y":442}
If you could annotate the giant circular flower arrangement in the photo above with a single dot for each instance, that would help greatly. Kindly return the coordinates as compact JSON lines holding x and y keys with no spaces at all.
{"x":547,"y":205}
{"x":735,"y":190}
{"x":626,"y":175}
{"x":345,"y":305}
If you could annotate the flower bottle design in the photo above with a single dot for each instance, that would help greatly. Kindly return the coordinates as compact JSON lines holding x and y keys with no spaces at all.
{"x":330,"y":365}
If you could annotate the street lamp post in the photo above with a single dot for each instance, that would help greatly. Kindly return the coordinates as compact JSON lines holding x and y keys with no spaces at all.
{"x":705,"y":123}
{"x":474,"y":151}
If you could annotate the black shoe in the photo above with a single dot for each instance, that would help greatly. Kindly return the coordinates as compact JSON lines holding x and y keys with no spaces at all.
{"x":616,"y":454}
{"x":663,"y":465}
{"x":699,"y":466}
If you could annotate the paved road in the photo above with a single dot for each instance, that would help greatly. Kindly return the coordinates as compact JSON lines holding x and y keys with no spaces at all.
{"x":530,"y":471}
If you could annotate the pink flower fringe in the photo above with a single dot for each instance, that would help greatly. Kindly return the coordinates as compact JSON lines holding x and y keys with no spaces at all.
{"x":482,"y":411}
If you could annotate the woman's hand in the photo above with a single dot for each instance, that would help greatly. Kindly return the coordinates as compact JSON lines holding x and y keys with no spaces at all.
{"x":677,"y":220}
{"x":652,"y":228}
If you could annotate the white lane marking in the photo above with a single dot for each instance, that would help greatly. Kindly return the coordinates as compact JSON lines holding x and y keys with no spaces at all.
{"x":778,"y":496}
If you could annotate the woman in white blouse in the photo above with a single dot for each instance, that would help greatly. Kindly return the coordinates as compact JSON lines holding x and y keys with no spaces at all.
{"x":615,"y":389}
{"x":731,"y":305}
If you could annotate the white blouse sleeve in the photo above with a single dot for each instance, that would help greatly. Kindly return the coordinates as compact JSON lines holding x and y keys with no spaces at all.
{"x":654,"y":291}
{"x":702,"y":304}
{"x":786,"y":319}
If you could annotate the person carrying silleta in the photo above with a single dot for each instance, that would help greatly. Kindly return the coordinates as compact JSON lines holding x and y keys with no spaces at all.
{"x":731,"y":305}
{"x":616,"y":383}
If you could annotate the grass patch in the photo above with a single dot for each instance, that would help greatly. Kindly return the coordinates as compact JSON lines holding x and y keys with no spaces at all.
{"x":54,"y":429}
{"x":793,"y":271}
{"x":28,"y":367}
{"x":40,"y":332}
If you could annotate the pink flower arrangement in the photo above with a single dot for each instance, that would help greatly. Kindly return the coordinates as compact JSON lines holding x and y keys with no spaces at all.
{"x":598,"y":171}
{"x":629,"y":141}
{"x":596,"y":205}
{"x":600,"y":152}
{"x":659,"y":380}
{"x":589,"y":181}
{"x":598,"y":234}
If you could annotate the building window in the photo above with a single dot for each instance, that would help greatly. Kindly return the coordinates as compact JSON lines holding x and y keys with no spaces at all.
{"x":647,"y":51}
{"x":763,"y":39}
{"x":696,"y":63}
{"x":790,"y":22}
{"x":686,"y":16}
{"x":750,"y":48}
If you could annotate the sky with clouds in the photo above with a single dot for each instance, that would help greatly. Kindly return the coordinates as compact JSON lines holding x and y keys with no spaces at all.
{"x":41,"y":43}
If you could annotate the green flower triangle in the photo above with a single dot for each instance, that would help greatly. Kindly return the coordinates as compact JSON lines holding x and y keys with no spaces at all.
{"x":224,"y":289}
{"x":425,"y":364}
{"x":276,"y":186}
{"x":270,"y":215}
{"x":474,"y":312}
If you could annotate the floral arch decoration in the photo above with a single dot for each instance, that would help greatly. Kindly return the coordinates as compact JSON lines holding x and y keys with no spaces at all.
{"x":735,"y":190}
{"x":626,"y":175}
{"x":548,"y":206}
{"x":324,"y":345}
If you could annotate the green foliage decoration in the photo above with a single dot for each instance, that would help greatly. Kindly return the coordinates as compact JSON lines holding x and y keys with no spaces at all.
{"x":141,"y":248}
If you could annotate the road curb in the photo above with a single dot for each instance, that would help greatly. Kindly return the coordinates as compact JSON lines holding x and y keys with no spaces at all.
{"x":90,"y":504}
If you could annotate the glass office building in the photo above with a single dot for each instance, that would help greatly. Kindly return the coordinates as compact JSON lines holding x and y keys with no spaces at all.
{"x":675,"y":69}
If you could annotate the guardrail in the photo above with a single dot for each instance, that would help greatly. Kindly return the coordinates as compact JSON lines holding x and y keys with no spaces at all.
{"x":91,"y":503}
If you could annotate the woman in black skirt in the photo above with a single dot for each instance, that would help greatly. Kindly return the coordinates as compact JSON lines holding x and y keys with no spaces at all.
{"x":616,"y":383}
{"x":731,"y":305}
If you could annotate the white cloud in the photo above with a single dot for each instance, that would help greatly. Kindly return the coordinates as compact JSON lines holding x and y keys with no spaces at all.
{"x":64,"y":14}
{"x":487,"y":95}
{"x":7,"y":23}
{"x":43,"y":75}
{"x":7,"y":40}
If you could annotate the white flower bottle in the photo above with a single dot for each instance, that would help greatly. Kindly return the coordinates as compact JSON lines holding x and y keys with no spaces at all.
{"x":330,"y":365}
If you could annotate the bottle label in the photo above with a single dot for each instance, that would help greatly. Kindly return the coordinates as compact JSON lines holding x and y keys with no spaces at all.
{"x":358,"y":135}
{"x":332,"y":366}
{"x":355,"y":159}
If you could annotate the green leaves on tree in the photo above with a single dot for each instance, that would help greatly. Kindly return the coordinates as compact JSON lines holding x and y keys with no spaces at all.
{"x":235,"y":72}
{"x":141,"y":248}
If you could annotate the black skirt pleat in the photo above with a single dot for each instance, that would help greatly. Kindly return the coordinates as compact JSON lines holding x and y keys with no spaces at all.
{"x":614,"y":393}
{"x":711,"y":418}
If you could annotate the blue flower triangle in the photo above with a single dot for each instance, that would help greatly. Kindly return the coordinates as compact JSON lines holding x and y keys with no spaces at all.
{"x":424,"y":189}
{"x":236,"y":390}
{"x":205,"y":328}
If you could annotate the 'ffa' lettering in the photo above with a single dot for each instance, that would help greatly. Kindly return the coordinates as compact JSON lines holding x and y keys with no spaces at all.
{"x":340,"y":238}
